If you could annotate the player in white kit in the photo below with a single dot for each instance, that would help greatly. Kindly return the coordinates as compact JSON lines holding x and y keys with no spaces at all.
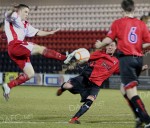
{"x":16,"y":29}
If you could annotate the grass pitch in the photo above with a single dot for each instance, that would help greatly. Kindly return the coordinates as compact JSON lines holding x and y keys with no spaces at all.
{"x":39,"y":107}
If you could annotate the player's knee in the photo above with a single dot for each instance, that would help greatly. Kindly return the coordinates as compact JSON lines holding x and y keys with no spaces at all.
{"x":91,"y":97}
{"x":41,"y":49}
{"x":37,"y":49}
{"x":30,"y":75}
{"x":131,"y":92}
{"x":122,"y":90}
{"x":67,"y":85}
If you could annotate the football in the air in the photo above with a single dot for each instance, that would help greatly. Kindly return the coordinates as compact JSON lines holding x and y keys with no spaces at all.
{"x":82,"y":55}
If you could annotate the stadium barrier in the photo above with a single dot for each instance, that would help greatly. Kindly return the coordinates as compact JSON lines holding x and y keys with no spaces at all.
{"x":115,"y":82}
{"x":36,"y":80}
{"x":56,"y":79}
{"x":40,"y":79}
{"x":10,"y":76}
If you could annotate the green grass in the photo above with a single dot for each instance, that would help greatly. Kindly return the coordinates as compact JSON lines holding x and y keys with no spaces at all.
{"x":38,"y":107}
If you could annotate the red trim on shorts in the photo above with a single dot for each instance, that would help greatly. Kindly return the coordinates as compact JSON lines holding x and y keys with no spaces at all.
{"x":14,"y":34}
{"x":131,"y":85}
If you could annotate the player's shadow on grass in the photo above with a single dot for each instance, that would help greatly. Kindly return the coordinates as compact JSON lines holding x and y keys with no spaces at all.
{"x":104,"y":121}
{"x":50,"y":118}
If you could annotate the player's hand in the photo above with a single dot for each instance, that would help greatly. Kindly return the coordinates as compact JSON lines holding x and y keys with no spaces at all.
{"x":145,"y":67}
{"x":98,"y":44}
{"x":70,"y":67}
{"x":54,"y":31}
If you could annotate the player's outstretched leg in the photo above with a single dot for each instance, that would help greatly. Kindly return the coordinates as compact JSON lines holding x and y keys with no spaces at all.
{"x":65,"y":86}
{"x":61,"y":90}
{"x":48,"y":53}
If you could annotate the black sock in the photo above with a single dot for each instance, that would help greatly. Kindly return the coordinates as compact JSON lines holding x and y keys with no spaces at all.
{"x":83,"y":108}
{"x":140,"y":109}
{"x":131,"y":106}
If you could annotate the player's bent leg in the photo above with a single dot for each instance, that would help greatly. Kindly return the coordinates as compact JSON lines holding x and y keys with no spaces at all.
{"x":65,"y":86}
{"x":6,"y":91}
{"x":28,"y":70}
{"x":28,"y":73}
{"x":137,"y":103}
{"x":22,"y":78}
{"x":83,"y":109}
{"x":48,"y":53}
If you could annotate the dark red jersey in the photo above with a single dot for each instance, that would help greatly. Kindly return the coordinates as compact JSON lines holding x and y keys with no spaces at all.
{"x":103,"y":65}
{"x":131,"y":33}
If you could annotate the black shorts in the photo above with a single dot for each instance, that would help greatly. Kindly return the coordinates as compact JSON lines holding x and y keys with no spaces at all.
{"x":130,"y":68}
{"x":84,"y":87}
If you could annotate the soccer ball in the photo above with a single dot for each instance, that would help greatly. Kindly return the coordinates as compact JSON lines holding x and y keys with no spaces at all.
{"x":82,"y":55}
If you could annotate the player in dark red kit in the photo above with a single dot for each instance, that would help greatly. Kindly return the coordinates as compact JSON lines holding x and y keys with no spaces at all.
{"x":131,"y":33}
{"x":100,"y":66}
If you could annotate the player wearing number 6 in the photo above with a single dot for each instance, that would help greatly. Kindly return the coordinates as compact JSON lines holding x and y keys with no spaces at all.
{"x":131,"y":33}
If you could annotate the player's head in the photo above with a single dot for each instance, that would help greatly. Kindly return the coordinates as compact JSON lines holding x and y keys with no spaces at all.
{"x":111,"y":48}
{"x":128,"y":5}
{"x":23,"y":11}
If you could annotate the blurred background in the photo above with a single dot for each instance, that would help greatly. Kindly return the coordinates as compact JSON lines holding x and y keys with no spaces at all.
{"x":82,"y":22}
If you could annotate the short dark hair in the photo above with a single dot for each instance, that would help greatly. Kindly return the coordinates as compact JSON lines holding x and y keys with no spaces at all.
{"x":115,"y":41}
{"x":20,"y":6}
{"x":128,"y":5}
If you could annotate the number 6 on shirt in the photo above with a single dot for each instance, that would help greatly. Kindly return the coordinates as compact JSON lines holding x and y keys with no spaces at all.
{"x":132,"y":37}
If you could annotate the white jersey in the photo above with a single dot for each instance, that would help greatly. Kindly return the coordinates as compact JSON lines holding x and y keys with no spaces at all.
{"x":16,"y":29}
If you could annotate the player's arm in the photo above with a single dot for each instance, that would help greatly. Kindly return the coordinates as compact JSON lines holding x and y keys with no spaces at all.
{"x":11,"y":15}
{"x":111,"y":35}
{"x":106,"y":41}
{"x":46,"y":33}
{"x":146,"y":45}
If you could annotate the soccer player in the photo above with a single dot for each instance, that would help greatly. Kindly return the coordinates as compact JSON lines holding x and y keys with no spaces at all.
{"x":100,"y":66}
{"x":131,"y":33}
{"x":17,"y":28}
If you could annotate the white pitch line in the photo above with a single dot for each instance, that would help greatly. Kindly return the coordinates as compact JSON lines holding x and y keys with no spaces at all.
{"x":98,"y":115}
{"x":61,"y":122}
{"x":22,"y":122}
{"x":64,"y":122}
